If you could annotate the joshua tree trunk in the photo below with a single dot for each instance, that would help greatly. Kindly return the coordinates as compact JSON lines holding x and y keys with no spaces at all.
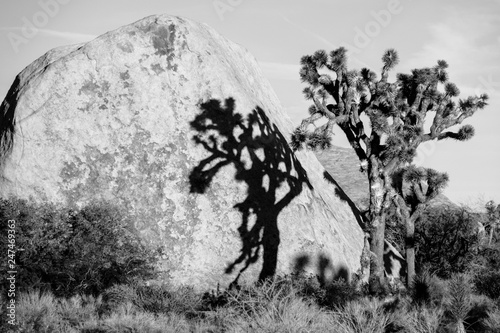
{"x":377,"y":233}
{"x":377,"y":223}
{"x":410,"y":251}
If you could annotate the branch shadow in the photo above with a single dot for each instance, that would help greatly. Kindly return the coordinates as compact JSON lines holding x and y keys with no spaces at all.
{"x":339,"y":192}
{"x":326,"y":271}
{"x":263,"y":161}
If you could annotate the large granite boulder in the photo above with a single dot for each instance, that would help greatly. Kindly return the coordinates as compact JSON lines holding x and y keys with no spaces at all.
{"x":177,"y":126}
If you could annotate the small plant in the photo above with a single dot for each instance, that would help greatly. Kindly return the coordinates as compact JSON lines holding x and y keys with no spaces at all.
{"x":460,"y":302}
{"x":338,"y":293}
{"x":447,"y":241}
{"x":428,"y":290}
{"x":162,"y":298}
{"x":213,"y":299}
{"x":488,"y":283}
{"x":493,"y":321}
{"x":37,"y":312}
{"x":481,"y":308}
{"x":116,"y":296}
{"x":366,"y":315}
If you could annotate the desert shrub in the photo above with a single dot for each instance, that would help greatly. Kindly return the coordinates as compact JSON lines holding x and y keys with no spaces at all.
{"x":301,"y":285}
{"x":447,"y":241}
{"x":78,"y":309}
{"x":116,"y":296}
{"x":338,"y":293}
{"x":330,"y":294}
{"x":493,"y":321}
{"x":364,"y":315}
{"x":377,"y":288}
{"x":273,"y":305}
{"x":480,"y":310}
{"x":488,"y":283}
{"x":420,"y":289}
{"x":163,"y":298}
{"x":71,"y":251}
{"x":459,"y":304}
{"x":427,"y":289}
{"x":288,"y":314}
{"x":489,"y":256}
{"x":424,"y":320}
{"x":273,"y":293}
{"x":42,"y":312}
{"x":125,"y":319}
{"x":213,"y":299}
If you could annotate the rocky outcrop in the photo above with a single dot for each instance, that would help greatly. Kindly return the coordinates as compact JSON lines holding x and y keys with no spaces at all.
{"x":343,"y":165}
{"x":177,"y":126}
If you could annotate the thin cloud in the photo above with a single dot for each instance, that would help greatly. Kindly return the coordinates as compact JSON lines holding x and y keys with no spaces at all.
{"x":469,"y":43}
{"x":329,"y":45}
{"x":280,"y":71}
{"x":73,"y":36}
{"x":318,"y":37}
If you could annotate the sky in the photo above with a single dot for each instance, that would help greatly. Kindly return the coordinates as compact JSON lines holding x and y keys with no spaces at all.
{"x":279,"y":32}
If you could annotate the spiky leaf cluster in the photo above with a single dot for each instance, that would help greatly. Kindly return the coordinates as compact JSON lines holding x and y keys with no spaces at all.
{"x":390,"y":59}
{"x":299,"y":136}
{"x":397,"y":110}
{"x":465,"y":133}
{"x":319,"y":139}
{"x":418,"y":185}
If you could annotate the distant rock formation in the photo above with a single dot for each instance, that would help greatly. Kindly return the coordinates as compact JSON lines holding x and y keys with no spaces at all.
{"x":343,"y":165}
{"x":177,"y":126}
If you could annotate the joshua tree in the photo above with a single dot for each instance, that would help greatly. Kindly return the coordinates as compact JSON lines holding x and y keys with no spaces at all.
{"x":396,"y":112}
{"x":414,"y":187}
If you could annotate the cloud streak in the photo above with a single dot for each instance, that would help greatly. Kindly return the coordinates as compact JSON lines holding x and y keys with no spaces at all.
{"x":316,"y":36}
{"x":73,"y":36}
{"x":469,"y":43}
{"x":281,"y":71}
{"x":329,"y":45}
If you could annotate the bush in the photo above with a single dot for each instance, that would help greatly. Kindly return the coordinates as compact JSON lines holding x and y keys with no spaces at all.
{"x":488,"y":283}
{"x":338,"y":294}
{"x":447,"y":241}
{"x":489,"y":257}
{"x":162,"y":298}
{"x":116,"y":296}
{"x":37,"y":312}
{"x":71,"y":251}
{"x":428,"y":290}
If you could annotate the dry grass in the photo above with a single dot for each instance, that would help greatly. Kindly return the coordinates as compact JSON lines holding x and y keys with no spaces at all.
{"x":275,"y":306}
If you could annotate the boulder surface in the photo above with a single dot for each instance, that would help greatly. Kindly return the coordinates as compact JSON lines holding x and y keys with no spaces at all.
{"x":178,"y":127}
{"x":343,"y":165}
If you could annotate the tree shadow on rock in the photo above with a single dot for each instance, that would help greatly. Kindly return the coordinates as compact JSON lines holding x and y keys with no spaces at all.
{"x":264,"y":161}
{"x":325,"y":271}
{"x":339,"y":192}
